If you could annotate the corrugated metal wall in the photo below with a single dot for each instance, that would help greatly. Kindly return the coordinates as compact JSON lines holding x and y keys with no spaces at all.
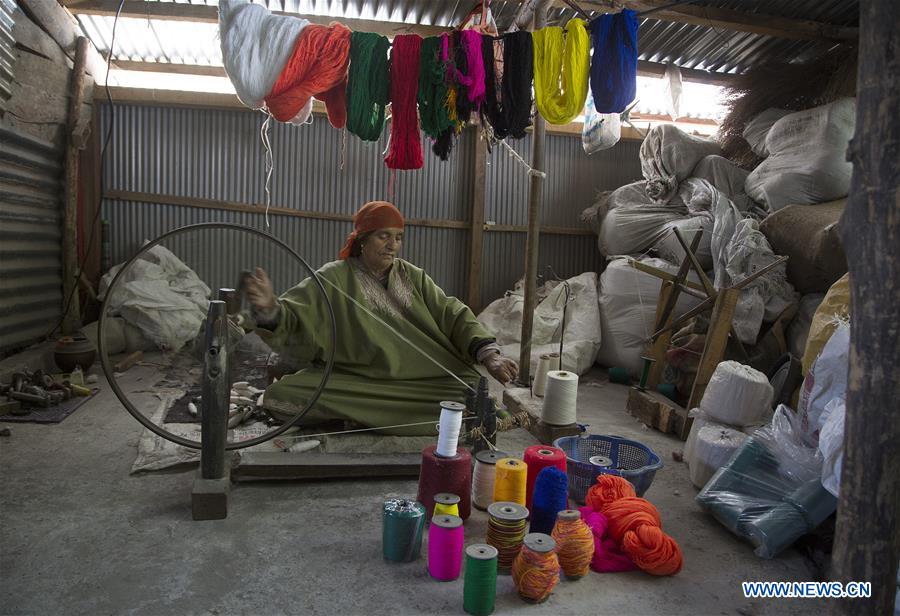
{"x":218,"y":155}
{"x":30,"y":238}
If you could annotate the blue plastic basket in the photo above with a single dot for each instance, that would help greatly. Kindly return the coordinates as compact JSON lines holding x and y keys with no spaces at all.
{"x":629,"y":459}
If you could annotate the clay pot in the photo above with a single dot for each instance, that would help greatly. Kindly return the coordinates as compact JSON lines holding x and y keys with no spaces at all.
{"x":74,"y":351}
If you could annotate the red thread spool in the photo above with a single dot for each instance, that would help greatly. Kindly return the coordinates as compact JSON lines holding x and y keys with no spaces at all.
{"x":453,"y":475}
{"x":537,"y":458}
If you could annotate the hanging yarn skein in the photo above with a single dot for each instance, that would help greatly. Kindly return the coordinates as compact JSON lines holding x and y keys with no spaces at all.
{"x":506,"y":530}
{"x":614,"y":63}
{"x":551,"y":495}
{"x":537,"y":458}
{"x":574,"y":543}
{"x":510,"y":481}
{"x":446,"y":504}
{"x":561,"y":71}
{"x":480,"y":582}
{"x":508,"y":100}
{"x":317,"y":68}
{"x":368,"y":85}
{"x":402,"y":525}
{"x":432,"y":93}
{"x":445,"y":547}
{"x":405,"y":148}
{"x":449,"y":426}
{"x":439,"y":474}
{"x":536,"y":569}
{"x":560,"y":398}
{"x":483,"y":477}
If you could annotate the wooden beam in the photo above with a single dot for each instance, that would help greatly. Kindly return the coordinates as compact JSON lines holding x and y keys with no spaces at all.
{"x":62,"y":28}
{"x":172,"y":11}
{"x":476,"y":235}
{"x":658,"y":69}
{"x":170,"y":67}
{"x":548,"y":230}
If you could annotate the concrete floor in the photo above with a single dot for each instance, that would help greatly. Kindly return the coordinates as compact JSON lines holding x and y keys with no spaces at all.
{"x":80,"y":535}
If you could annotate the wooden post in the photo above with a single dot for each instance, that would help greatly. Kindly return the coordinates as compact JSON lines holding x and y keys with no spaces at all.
{"x":657,"y":349}
{"x":867,"y":536}
{"x":476,"y":237}
{"x":716,"y":339}
{"x":72,"y":316}
{"x":535,"y":184}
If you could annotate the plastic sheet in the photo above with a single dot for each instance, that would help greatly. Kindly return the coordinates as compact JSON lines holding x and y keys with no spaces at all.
{"x":769,"y":493}
{"x":601,"y":131}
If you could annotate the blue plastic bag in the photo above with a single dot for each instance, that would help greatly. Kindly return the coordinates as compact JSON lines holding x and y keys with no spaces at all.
{"x":614,"y":63}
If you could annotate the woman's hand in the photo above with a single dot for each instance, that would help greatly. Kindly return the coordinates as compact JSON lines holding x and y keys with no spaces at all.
{"x":259,"y":291}
{"x":501,"y":368}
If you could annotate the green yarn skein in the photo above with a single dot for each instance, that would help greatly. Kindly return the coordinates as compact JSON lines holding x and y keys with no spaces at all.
{"x":368,"y":85}
{"x":432,"y":95}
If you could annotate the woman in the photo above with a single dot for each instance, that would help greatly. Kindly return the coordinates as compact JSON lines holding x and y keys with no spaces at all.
{"x":379,"y":379}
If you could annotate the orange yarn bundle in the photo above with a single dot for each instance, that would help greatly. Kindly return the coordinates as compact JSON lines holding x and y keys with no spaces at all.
{"x":607,"y":489}
{"x":317,"y":67}
{"x":574,"y":543}
{"x":653,"y":550}
{"x":628,"y":514}
{"x":535,"y":574}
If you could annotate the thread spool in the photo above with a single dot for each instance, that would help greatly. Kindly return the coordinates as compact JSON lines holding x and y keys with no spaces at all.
{"x":536,"y":568}
{"x":448,"y":428}
{"x":540,"y":377}
{"x":551,"y":495}
{"x":619,"y":375}
{"x":483,"y":477}
{"x":510,"y":481}
{"x":480,"y":582}
{"x":453,"y":475}
{"x":537,"y":458}
{"x":402,"y":523}
{"x":506,"y":531}
{"x":555,"y":362}
{"x":446,"y":504}
{"x":574,"y":543}
{"x":668,"y":390}
{"x":445,"y":547}
{"x":560,"y":398}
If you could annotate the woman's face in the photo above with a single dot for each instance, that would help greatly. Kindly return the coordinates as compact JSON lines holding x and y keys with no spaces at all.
{"x":381,"y":248}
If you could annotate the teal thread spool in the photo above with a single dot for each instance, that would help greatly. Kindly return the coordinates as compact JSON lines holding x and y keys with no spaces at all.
{"x":403,"y":523}
{"x":480,"y":585}
{"x":619,"y":375}
{"x":668,"y":390}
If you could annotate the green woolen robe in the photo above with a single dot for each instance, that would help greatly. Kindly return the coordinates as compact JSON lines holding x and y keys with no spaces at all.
{"x":378,"y":379}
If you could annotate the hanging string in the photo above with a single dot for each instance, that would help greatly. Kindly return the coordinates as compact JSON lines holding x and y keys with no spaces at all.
{"x":532,"y":172}
{"x":270,"y":161}
{"x":561,"y":71}
{"x":368,"y":85}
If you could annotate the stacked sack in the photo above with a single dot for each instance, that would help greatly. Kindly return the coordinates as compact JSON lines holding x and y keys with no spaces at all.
{"x":737,"y":401}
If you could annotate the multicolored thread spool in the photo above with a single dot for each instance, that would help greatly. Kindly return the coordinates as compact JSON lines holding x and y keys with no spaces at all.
{"x":445,"y":547}
{"x":453,"y":475}
{"x":551,"y":495}
{"x":446,"y":504}
{"x":506,"y":531}
{"x":483,"y":477}
{"x":402,"y":525}
{"x":536,"y":568}
{"x":510,"y":481}
{"x":537,"y":458}
{"x":574,"y":543}
{"x":480,"y":582}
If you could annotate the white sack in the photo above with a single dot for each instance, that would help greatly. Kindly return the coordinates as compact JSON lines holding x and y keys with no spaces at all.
{"x":757,"y":129}
{"x":669,"y":248}
{"x":634,"y":230}
{"x":831,"y":444}
{"x":728,"y":179}
{"x":503,"y":318}
{"x":256,"y":46}
{"x":600,"y":131}
{"x":798,"y":330}
{"x":668,"y":155}
{"x":807,"y":157}
{"x":628,"y":300}
{"x":737,"y":395}
{"x":825,"y":381}
{"x":701,"y":419}
{"x":714,"y":446}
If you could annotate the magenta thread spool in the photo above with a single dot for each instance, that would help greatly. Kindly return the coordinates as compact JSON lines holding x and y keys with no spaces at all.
{"x":445,"y":547}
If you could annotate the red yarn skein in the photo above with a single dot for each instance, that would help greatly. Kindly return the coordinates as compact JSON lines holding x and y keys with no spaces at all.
{"x":628,"y":514}
{"x":405,"y":150}
{"x":653,"y":550}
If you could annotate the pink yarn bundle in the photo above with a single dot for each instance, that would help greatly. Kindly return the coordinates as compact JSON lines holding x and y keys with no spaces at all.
{"x":470,"y":41}
{"x":608,"y":558}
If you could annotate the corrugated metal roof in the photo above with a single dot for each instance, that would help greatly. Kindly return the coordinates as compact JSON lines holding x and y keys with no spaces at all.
{"x":687,"y":45}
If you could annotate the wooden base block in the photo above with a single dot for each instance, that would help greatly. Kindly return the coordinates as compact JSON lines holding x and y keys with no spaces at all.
{"x":659,"y":412}
{"x":257,"y":466}
{"x":209,"y":498}
{"x":546,"y":433}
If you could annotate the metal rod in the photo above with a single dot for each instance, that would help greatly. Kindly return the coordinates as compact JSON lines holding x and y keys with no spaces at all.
{"x":215,"y":390}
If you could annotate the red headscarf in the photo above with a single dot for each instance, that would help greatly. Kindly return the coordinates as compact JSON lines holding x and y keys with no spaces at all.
{"x":372,"y":216}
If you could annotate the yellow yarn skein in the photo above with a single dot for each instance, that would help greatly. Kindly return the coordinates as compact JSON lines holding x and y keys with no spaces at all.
{"x":561,"y":70}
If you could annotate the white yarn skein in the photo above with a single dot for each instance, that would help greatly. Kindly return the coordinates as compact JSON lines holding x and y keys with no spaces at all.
{"x":448,"y":428}
{"x":560,"y":398}
{"x":737,"y":395}
{"x":540,"y":379}
{"x":713,"y":448}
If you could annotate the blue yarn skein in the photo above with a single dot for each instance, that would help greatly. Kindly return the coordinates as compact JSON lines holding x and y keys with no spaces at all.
{"x":551,"y":489}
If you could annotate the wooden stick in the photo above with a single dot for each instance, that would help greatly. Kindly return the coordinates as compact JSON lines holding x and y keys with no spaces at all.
{"x":748,"y":279}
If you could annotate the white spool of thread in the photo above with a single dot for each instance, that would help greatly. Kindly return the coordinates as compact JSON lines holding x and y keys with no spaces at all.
{"x":560,"y":398}
{"x":540,"y":378}
{"x":737,"y":395}
{"x":714,"y":446}
{"x":554,"y":362}
{"x":448,"y":428}
{"x":483,"y":477}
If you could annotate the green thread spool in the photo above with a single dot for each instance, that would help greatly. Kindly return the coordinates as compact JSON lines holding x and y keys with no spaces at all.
{"x":403,"y":522}
{"x":645,"y":372}
{"x":480,"y":584}
{"x":619,"y":375}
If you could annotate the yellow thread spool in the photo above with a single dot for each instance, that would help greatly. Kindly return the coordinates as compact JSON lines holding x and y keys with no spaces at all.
{"x":446,"y":504}
{"x":510,"y":481}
